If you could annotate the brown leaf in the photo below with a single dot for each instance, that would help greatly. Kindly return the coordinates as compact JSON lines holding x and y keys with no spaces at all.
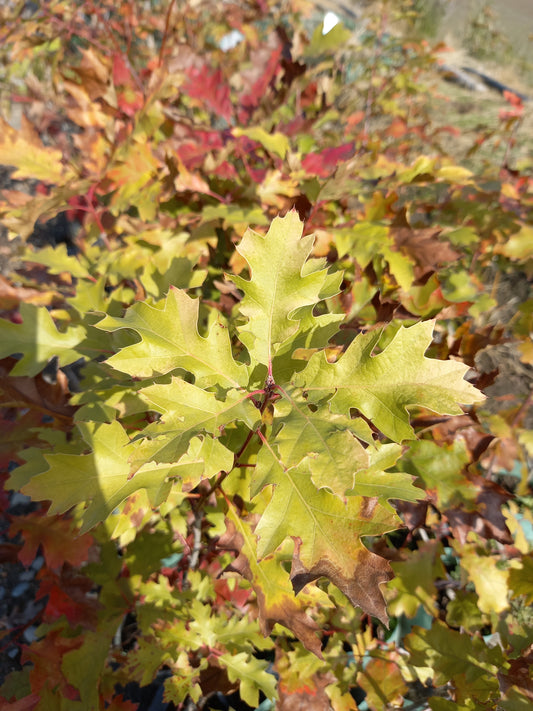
{"x":487,"y":520}
{"x":18,"y":433}
{"x":370,"y":571}
{"x":275,"y":598}
{"x":413,"y":513}
{"x":35,"y":393}
{"x":519,"y":674}
{"x":464,"y":426}
{"x":215,"y":679}
{"x":424,"y":247}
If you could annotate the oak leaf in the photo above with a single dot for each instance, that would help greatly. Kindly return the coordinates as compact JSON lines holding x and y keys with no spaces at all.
{"x":38,"y":340}
{"x":169,"y":339}
{"x":58,"y":539}
{"x":327,"y":531}
{"x":279,"y":285}
{"x":32,"y":159}
{"x":384,"y":386}
{"x":383,"y":683}
{"x":275,"y":597}
{"x":101,"y":479}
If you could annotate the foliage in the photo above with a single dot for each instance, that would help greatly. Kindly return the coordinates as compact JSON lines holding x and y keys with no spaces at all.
{"x":251,"y":439}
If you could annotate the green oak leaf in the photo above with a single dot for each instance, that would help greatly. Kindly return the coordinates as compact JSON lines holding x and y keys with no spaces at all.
{"x":58,"y":260}
{"x":367,"y":241}
{"x":452,"y":655}
{"x":414,"y":584}
{"x":281,"y":282}
{"x":384,"y":386}
{"x":334,"y":454}
{"x":103,"y":477}
{"x":205,"y":458}
{"x":313,"y":333}
{"x":186,"y":411}
{"x":252,"y":675}
{"x":95,"y":646}
{"x":169,"y":339}
{"x":327,"y":531}
{"x":234,"y":214}
{"x":376,"y":481}
{"x":90,"y":296}
{"x":38,"y":340}
{"x":484,"y":570}
{"x":441,"y":468}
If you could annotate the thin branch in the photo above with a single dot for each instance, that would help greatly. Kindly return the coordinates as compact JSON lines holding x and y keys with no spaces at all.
{"x":197,"y":539}
{"x":165,"y":35}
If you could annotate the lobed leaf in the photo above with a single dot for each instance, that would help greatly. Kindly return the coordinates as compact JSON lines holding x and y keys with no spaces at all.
{"x":329,"y":441}
{"x":169,"y":339}
{"x":326,"y":530}
{"x":38,"y":340}
{"x":32,"y":159}
{"x":187,"y":411}
{"x":278,"y":286}
{"x":102,"y":479}
{"x":252,"y":675}
{"x":384,"y":386}
{"x":275,"y":597}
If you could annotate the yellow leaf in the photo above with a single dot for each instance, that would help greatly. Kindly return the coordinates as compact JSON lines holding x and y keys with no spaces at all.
{"x":519,"y":246}
{"x":454,"y":174}
{"x":276,"y":143}
{"x":491,"y":582}
{"x":25,"y":151}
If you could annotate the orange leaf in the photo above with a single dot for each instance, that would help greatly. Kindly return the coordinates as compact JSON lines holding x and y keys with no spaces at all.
{"x":59,"y":541}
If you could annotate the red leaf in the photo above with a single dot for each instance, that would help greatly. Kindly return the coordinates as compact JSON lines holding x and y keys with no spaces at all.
{"x":266,"y":63}
{"x":238,"y":596}
{"x":46,"y":655}
{"x":226,"y":171}
{"x":121,"y":704}
{"x":129,"y":98}
{"x":356,"y":118}
{"x":129,"y":101}
{"x":59,"y":541}
{"x":68,"y":594}
{"x":121,"y":72}
{"x":323,"y":163}
{"x":512,"y":98}
{"x":26,"y":704}
{"x":211,"y":89}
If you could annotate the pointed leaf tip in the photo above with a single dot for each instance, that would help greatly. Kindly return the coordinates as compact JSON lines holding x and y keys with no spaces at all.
{"x":384,"y":386}
{"x":279,"y":285}
{"x":170,"y":340}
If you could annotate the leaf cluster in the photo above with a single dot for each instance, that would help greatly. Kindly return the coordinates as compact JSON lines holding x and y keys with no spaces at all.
{"x":260,"y":466}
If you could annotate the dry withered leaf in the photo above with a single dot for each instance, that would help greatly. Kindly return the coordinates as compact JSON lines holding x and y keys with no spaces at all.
{"x":424,"y":247}
{"x":487,"y":520}
{"x":38,"y":393}
{"x":275,"y":599}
